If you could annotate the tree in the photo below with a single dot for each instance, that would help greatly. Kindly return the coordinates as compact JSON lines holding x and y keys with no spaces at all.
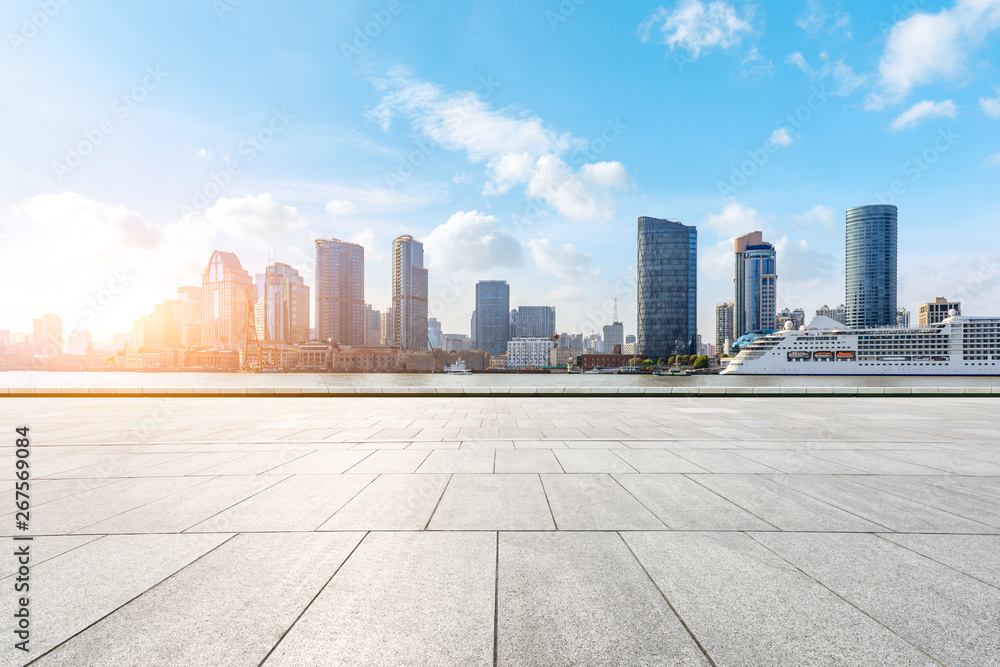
{"x":701,"y":362}
{"x":647,"y":362}
{"x":661,"y":362}
{"x":671,"y":360}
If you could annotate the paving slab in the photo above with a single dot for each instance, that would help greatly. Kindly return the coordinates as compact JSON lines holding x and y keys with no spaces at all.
{"x":974,"y":555}
{"x":595,"y":502}
{"x":747,"y":606}
{"x":390,"y":461}
{"x":910,"y":594}
{"x":230,"y":607}
{"x":318,"y":463}
{"x":402,"y":599}
{"x":391,"y":502}
{"x":941,"y":494}
{"x":683,"y":504}
{"x":574,"y":598}
{"x":527,"y":461}
{"x":493,"y":502}
{"x":657,"y":461}
{"x":458,"y":461}
{"x":591,"y":461}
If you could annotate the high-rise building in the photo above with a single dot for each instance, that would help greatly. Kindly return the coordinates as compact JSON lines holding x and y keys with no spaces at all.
{"x":472,"y":331}
{"x":529,"y":352}
{"x":936,"y":311}
{"x":756,"y":284}
{"x":455,"y":342}
{"x":724,"y":335}
{"x":227,"y":301}
{"x":340,"y":292}
{"x":282,"y":305}
{"x":513,"y":323}
{"x":373,"y":326}
{"x":838,"y":314}
{"x":535,"y":322}
{"x":492,"y":316}
{"x":387,"y":335}
{"x":409,"y":293}
{"x":902,"y":317}
{"x":47,"y":336}
{"x":78,"y":342}
{"x":797,"y":317}
{"x":667,"y":288}
{"x":182,"y":318}
{"x":434,"y":333}
{"x":574,"y":341}
{"x":871,"y":266}
{"x":147,"y":333}
{"x":614,"y":334}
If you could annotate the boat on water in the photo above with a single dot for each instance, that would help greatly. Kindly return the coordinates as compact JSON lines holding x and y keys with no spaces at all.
{"x":457,"y":368}
{"x":673,"y":372}
{"x":956,"y":346}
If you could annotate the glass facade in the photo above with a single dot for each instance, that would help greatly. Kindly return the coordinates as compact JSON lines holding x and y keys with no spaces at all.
{"x":492,"y":316}
{"x":668,"y":288}
{"x":871,"y":266}
{"x":756,"y":284}
{"x":227,"y":300}
{"x":340,"y":292}
{"x":409,"y":293}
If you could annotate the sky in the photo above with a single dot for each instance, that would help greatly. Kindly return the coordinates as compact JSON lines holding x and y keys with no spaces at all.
{"x":519,"y":141}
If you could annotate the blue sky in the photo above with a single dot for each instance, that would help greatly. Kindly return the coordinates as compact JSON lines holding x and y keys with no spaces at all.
{"x":518,"y":140}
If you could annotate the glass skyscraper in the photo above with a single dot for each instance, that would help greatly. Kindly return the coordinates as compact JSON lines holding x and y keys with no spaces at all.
{"x":534,"y":322}
{"x":227,"y":301}
{"x":340,"y":292}
{"x":756,"y":284}
{"x":492,"y":316}
{"x":409,"y":293}
{"x":871,"y":266}
{"x":668,"y":288}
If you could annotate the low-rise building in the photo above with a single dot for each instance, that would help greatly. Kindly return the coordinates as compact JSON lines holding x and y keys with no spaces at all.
{"x":592,"y":361}
{"x":562,"y":356}
{"x":525,"y":353}
{"x":315,"y":355}
{"x":936,"y":311}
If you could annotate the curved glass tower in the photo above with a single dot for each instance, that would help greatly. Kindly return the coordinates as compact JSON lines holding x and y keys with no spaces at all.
{"x":871,"y":266}
{"x":668,"y":286}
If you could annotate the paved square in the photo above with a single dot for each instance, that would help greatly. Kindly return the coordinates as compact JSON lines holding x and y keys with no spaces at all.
{"x":511,"y":531}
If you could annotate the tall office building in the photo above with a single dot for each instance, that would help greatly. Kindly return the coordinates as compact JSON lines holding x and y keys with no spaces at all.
{"x":226,"y":301}
{"x":838,"y":314}
{"x":535,"y":322}
{"x":724,"y":335}
{"x":386,"y":334}
{"x":667,"y":288}
{"x":472,"y":331}
{"x":47,"y":336}
{"x":492,"y":316}
{"x":902,"y":317}
{"x":756,"y":284}
{"x":409,"y":293}
{"x":434,"y":333}
{"x":614,"y":333}
{"x":373,"y":326}
{"x":340,"y":292}
{"x":513,"y":323}
{"x":871,"y":266}
{"x":935,"y":311}
{"x":282,"y":310}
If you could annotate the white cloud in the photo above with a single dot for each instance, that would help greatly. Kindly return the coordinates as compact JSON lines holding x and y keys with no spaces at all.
{"x":781,"y":137}
{"x":817,"y":17}
{"x":842,"y":74}
{"x":735,"y":220}
{"x":517,"y":148}
{"x":205,"y":153}
{"x":471,"y":241}
{"x":260,"y":219}
{"x":819,"y":215}
{"x":366,"y":238}
{"x":695,"y":26}
{"x":924,"y":48}
{"x":758,"y":65}
{"x":921,"y":111}
{"x":800,"y":268}
{"x":340,"y":207}
{"x":993,"y":160}
{"x":78,"y":219}
{"x":990,"y":107}
{"x":565,"y":261}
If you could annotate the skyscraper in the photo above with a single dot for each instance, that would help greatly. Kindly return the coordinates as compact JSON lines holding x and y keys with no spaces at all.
{"x":227,"y":301}
{"x":434,"y":333}
{"x":282,"y":305}
{"x":409,"y":293}
{"x":373,"y":326}
{"x":535,"y":322}
{"x":492,"y":324}
{"x":47,"y":336}
{"x":513,"y":323}
{"x":724,"y":336}
{"x":614,"y":333}
{"x":340,"y":292}
{"x":756,"y":284}
{"x":668,"y":287}
{"x":871,"y":266}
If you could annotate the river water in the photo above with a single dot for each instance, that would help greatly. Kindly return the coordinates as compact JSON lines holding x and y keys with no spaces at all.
{"x":127,"y":380}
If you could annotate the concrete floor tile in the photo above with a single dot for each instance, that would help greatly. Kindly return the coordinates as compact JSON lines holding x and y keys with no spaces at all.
{"x":658,"y":461}
{"x":493,"y":502}
{"x":319,"y":463}
{"x":686,"y":505}
{"x":527,"y":461}
{"x":460,"y":461}
{"x":592,"y":461}
{"x":595,"y":502}
{"x":391,"y":502}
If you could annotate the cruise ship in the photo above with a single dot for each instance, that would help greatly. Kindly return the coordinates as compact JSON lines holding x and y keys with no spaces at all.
{"x":958,"y":345}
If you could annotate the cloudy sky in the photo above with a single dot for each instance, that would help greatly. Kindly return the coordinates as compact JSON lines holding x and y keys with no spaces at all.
{"x":518,"y":140}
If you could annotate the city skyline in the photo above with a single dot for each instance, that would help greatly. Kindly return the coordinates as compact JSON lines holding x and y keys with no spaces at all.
{"x":836,"y":110}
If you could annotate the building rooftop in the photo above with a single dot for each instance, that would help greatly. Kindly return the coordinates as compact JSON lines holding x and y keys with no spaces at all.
{"x":513,"y":531}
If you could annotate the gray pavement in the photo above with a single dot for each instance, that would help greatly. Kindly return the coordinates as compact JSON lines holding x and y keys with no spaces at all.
{"x":507,"y":530}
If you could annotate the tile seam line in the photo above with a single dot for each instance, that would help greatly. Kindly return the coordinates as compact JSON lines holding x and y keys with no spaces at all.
{"x":545,"y":493}
{"x":732,"y":502}
{"x":632,"y":495}
{"x":283,"y":463}
{"x":496,"y":602}
{"x":314,"y":598}
{"x":427,"y":525}
{"x":349,"y":501}
{"x":831,"y":504}
{"x":918,"y":502}
{"x":841,"y":597}
{"x":131,"y":600}
{"x":673,"y":609}
{"x":226,"y":509}
{"x":933,"y":560}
